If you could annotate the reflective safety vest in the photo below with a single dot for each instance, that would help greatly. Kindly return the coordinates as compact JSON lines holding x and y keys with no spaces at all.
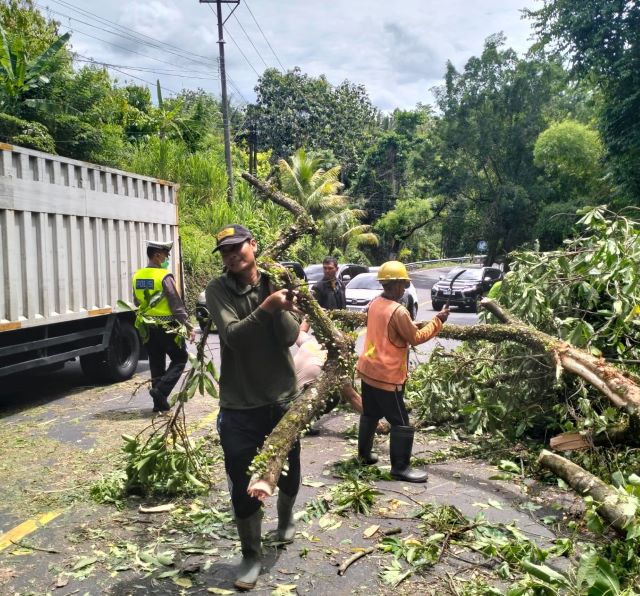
{"x":381,"y":360}
{"x":149,"y":279}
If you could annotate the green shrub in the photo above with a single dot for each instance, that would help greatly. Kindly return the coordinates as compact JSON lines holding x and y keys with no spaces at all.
{"x":25,"y":133}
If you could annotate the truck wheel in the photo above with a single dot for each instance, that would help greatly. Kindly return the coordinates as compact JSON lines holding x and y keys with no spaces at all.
{"x":122,"y":355}
{"x":435,"y":305}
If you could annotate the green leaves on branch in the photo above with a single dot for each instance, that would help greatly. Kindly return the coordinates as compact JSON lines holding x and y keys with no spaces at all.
{"x":157,"y":466}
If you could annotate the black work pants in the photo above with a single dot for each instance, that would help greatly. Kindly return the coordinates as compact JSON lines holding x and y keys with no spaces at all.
{"x":378,"y":403}
{"x":242,"y":434}
{"x":160,"y":345}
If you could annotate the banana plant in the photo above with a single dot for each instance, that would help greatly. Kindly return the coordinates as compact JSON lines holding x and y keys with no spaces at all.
{"x":20,"y":73}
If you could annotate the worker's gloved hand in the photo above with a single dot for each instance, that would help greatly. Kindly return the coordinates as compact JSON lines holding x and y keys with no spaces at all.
{"x":443,"y":315}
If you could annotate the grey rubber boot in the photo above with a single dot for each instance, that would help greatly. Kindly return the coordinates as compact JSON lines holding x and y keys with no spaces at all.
{"x":401,"y":444}
{"x":286,"y":523}
{"x":249,"y":530}
{"x":366,"y":434}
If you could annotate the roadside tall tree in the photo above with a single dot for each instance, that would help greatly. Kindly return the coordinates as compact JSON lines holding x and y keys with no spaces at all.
{"x":493,"y":112}
{"x":294,"y":110}
{"x":601,"y":40}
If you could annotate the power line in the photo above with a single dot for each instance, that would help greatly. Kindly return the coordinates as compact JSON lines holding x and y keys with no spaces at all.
{"x":236,"y":44}
{"x":75,"y":30}
{"x":250,"y":41}
{"x":170,"y":73}
{"x":125,"y":36}
{"x":263,"y":35}
{"x":125,"y":28}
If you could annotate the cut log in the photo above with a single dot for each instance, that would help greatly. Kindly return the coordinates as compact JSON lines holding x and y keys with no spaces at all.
{"x":610,"y":503}
{"x":627,"y":433}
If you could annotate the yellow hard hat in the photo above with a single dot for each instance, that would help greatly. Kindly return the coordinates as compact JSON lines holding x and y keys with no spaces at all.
{"x":393,"y":270}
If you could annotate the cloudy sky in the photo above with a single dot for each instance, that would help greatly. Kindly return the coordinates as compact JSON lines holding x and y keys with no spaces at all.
{"x":397,"y":49}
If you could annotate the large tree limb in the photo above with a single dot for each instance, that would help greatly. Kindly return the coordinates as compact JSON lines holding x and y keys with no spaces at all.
{"x":268,"y":464}
{"x":610,"y":502}
{"x":619,"y":388}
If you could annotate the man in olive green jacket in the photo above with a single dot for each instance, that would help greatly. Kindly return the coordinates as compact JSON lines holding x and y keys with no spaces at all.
{"x":257,"y":383}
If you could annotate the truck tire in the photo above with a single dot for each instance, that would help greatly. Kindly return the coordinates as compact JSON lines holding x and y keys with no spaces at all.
{"x":119,"y":361}
{"x":122,"y":355}
{"x":435,"y":305}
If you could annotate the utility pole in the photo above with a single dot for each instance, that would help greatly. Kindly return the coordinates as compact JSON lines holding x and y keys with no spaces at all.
{"x":223,"y":85}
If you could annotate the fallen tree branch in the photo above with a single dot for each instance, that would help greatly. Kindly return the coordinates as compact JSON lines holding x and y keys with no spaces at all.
{"x":609,"y":501}
{"x":268,"y":464}
{"x":353,"y":558}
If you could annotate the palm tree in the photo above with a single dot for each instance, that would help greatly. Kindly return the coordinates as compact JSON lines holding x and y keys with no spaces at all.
{"x":343,"y":230}
{"x":316,"y":189}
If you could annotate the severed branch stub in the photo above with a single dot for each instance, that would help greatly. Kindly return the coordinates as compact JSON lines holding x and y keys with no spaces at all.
{"x":610,"y":503}
{"x":304,"y":222}
{"x":353,"y":558}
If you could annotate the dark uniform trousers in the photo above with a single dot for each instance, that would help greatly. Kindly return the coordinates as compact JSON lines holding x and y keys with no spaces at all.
{"x":378,"y":403}
{"x":242,"y":434}
{"x":162,"y":343}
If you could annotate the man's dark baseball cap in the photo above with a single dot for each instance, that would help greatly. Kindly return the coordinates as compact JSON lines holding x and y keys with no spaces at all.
{"x":232,"y":234}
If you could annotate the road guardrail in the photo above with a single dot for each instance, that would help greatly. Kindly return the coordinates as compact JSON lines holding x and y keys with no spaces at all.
{"x":466,"y":259}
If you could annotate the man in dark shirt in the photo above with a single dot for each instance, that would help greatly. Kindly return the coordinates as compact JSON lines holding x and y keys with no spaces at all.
{"x":329,"y":291}
{"x":152,"y":280}
{"x":257,"y":383}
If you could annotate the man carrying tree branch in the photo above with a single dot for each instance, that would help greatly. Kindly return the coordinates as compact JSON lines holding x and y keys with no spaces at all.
{"x":257,"y":382}
{"x":382,"y":366}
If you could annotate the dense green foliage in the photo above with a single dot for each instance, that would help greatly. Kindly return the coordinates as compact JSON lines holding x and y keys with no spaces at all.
{"x":601,"y":40}
{"x":509,"y":156}
{"x":295,"y":110}
{"x":588,"y":294}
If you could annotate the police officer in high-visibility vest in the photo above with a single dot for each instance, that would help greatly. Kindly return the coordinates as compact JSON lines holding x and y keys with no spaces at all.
{"x":168,"y":311}
{"x":382,"y":366}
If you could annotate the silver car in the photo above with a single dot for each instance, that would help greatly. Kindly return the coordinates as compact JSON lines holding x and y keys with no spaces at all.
{"x":363,"y":288}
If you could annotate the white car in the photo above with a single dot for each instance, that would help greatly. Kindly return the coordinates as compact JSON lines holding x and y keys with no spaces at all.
{"x":363,"y":288}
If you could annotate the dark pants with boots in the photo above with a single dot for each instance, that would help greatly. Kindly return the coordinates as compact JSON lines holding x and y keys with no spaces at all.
{"x":242,"y":434}
{"x":160,"y":345}
{"x":376,"y":404}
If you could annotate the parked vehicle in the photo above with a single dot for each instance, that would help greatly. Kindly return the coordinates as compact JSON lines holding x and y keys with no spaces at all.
{"x":470,"y":285}
{"x":346,"y":272}
{"x":363,"y":288}
{"x":202,"y":312}
{"x":73,"y":234}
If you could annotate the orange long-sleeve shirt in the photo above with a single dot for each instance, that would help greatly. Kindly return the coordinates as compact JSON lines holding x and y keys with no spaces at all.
{"x":402,"y":330}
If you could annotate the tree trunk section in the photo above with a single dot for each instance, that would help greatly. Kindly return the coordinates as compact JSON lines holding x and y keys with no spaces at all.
{"x":610,"y":502}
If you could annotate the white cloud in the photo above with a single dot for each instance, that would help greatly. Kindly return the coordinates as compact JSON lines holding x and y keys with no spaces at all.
{"x":398,"y":50}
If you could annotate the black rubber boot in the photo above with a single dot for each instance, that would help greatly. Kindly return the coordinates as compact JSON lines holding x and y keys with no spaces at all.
{"x":366,"y":434}
{"x":400,"y":448}
{"x":249,"y":530}
{"x":286,"y":523}
{"x":160,"y":403}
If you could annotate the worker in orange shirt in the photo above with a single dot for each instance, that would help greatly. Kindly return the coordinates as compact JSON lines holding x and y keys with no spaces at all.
{"x":382,"y":366}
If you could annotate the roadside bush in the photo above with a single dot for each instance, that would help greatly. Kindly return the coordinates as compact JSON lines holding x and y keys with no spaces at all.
{"x":25,"y":133}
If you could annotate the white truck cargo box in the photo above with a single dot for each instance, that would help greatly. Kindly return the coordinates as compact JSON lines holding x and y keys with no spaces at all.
{"x":71,"y":236}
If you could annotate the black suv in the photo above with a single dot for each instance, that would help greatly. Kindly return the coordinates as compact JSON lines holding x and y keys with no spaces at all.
{"x":202,"y":312}
{"x":469,"y":286}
